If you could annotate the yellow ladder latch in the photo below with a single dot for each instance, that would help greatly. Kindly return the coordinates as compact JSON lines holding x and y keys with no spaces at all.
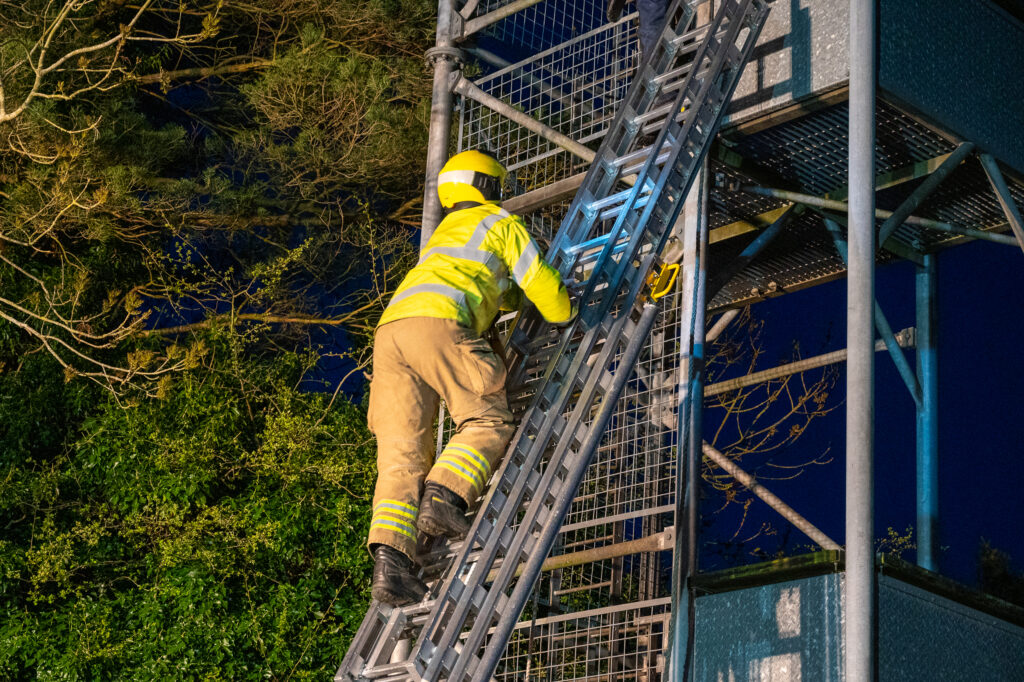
{"x":662,"y":283}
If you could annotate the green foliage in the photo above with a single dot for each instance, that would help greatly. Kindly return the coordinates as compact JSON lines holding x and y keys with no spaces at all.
{"x":339,"y":119}
{"x":894,"y":543}
{"x":997,"y":576}
{"x":213,"y":534}
{"x":192,"y":513}
{"x":248,"y":140}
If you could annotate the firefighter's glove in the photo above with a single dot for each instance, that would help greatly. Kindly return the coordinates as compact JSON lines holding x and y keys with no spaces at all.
{"x":573,"y":314}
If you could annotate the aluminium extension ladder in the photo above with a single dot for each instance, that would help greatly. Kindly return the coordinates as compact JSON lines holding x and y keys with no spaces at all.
{"x":610,"y":242}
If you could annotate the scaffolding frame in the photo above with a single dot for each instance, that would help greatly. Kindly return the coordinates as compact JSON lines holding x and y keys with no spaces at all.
{"x":608,"y":605}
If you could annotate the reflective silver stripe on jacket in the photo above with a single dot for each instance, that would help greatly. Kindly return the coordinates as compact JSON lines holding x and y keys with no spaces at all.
{"x":484,"y":226}
{"x":483,"y":256}
{"x":459,"y":297}
{"x":526,"y":258}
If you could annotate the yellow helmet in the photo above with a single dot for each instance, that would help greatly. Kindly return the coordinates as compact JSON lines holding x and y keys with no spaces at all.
{"x":470,"y":176}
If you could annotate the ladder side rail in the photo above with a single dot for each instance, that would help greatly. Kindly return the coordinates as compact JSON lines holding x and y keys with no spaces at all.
{"x":538,"y":447}
{"x":525,"y":455}
{"x":531,"y":570}
{"x":639,"y":98}
{"x":569,"y":459}
{"x":579,"y":222}
{"x":367,"y":633}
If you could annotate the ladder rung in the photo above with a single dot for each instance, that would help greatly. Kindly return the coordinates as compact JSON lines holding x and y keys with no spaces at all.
{"x":399,"y":671}
{"x":611,"y":200}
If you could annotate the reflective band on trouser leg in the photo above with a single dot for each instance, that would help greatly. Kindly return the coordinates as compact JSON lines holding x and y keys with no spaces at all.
{"x":471,"y":456}
{"x":393,"y":518}
{"x":467,"y":463}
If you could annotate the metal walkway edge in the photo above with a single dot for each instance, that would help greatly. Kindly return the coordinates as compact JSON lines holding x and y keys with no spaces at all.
{"x":609,"y":242}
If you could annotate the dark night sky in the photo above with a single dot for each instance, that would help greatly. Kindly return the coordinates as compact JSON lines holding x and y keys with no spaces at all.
{"x":981,"y":376}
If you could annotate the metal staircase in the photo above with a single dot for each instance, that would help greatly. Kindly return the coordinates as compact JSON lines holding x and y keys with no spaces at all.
{"x":609,"y":244}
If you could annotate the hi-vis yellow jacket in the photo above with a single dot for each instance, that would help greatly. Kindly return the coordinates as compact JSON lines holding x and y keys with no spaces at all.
{"x":463,"y":272}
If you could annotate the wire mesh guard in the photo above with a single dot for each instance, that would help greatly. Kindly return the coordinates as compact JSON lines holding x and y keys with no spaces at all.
{"x":545,"y":24}
{"x":623,"y":642}
{"x":599,"y":612}
{"x":599,"y":609}
{"x":572,"y":87}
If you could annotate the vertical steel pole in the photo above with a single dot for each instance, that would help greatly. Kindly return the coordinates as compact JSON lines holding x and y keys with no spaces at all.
{"x":689,"y":448}
{"x":444,"y":59}
{"x":861,"y":613}
{"x":927,"y":415}
{"x":694,"y":434}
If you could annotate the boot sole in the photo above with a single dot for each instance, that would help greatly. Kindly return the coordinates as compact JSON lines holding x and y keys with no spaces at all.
{"x":437,"y":528}
{"x":383,"y":594}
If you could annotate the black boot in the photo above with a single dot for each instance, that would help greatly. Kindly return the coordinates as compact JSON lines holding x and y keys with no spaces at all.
{"x":394,"y":581}
{"x":442,"y":513}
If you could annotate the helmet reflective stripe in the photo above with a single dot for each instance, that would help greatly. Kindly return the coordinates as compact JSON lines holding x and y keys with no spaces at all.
{"x":471,"y":175}
{"x":526,"y":259}
{"x":450,"y":292}
{"x":463,"y":176}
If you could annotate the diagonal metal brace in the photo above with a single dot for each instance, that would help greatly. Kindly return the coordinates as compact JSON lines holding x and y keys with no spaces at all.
{"x":773,"y":501}
{"x":995,"y":177}
{"x":751,"y":251}
{"x":907,"y":373}
{"x":923,"y":190}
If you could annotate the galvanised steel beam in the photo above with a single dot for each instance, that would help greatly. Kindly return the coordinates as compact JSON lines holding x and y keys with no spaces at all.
{"x":911,"y":203}
{"x":751,"y":251}
{"x":833,"y":205}
{"x":860,"y":631}
{"x":881,"y":322}
{"x":995,"y":177}
{"x":906,"y":338}
{"x":466,"y":88}
{"x":689,"y":443}
{"x":926,"y":279}
{"x":898,"y":176}
{"x":772,"y":500}
{"x":445,"y":58}
{"x":476,"y":24}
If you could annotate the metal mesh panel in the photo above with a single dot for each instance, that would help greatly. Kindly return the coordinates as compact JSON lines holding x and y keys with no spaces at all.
{"x":813,"y":149}
{"x":545,"y":24}
{"x":628,"y":490}
{"x":624,"y":642}
{"x":572,"y":88}
{"x":632,"y":473}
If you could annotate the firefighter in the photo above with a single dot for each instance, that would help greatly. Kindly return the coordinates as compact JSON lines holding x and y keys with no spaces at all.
{"x":430,"y":345}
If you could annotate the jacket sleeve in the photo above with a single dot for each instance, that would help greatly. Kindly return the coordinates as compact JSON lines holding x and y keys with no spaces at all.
{"x":539,"y":281}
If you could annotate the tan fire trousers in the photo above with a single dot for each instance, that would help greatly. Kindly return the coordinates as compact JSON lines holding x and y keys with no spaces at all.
{"x":416,"y":361}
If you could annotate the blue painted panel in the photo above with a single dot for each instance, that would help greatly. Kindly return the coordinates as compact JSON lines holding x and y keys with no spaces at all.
{"x":792,"y":632}
{"x":961,"y":64}
{"x":784,"y":632}
{"x":926,"y":637}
